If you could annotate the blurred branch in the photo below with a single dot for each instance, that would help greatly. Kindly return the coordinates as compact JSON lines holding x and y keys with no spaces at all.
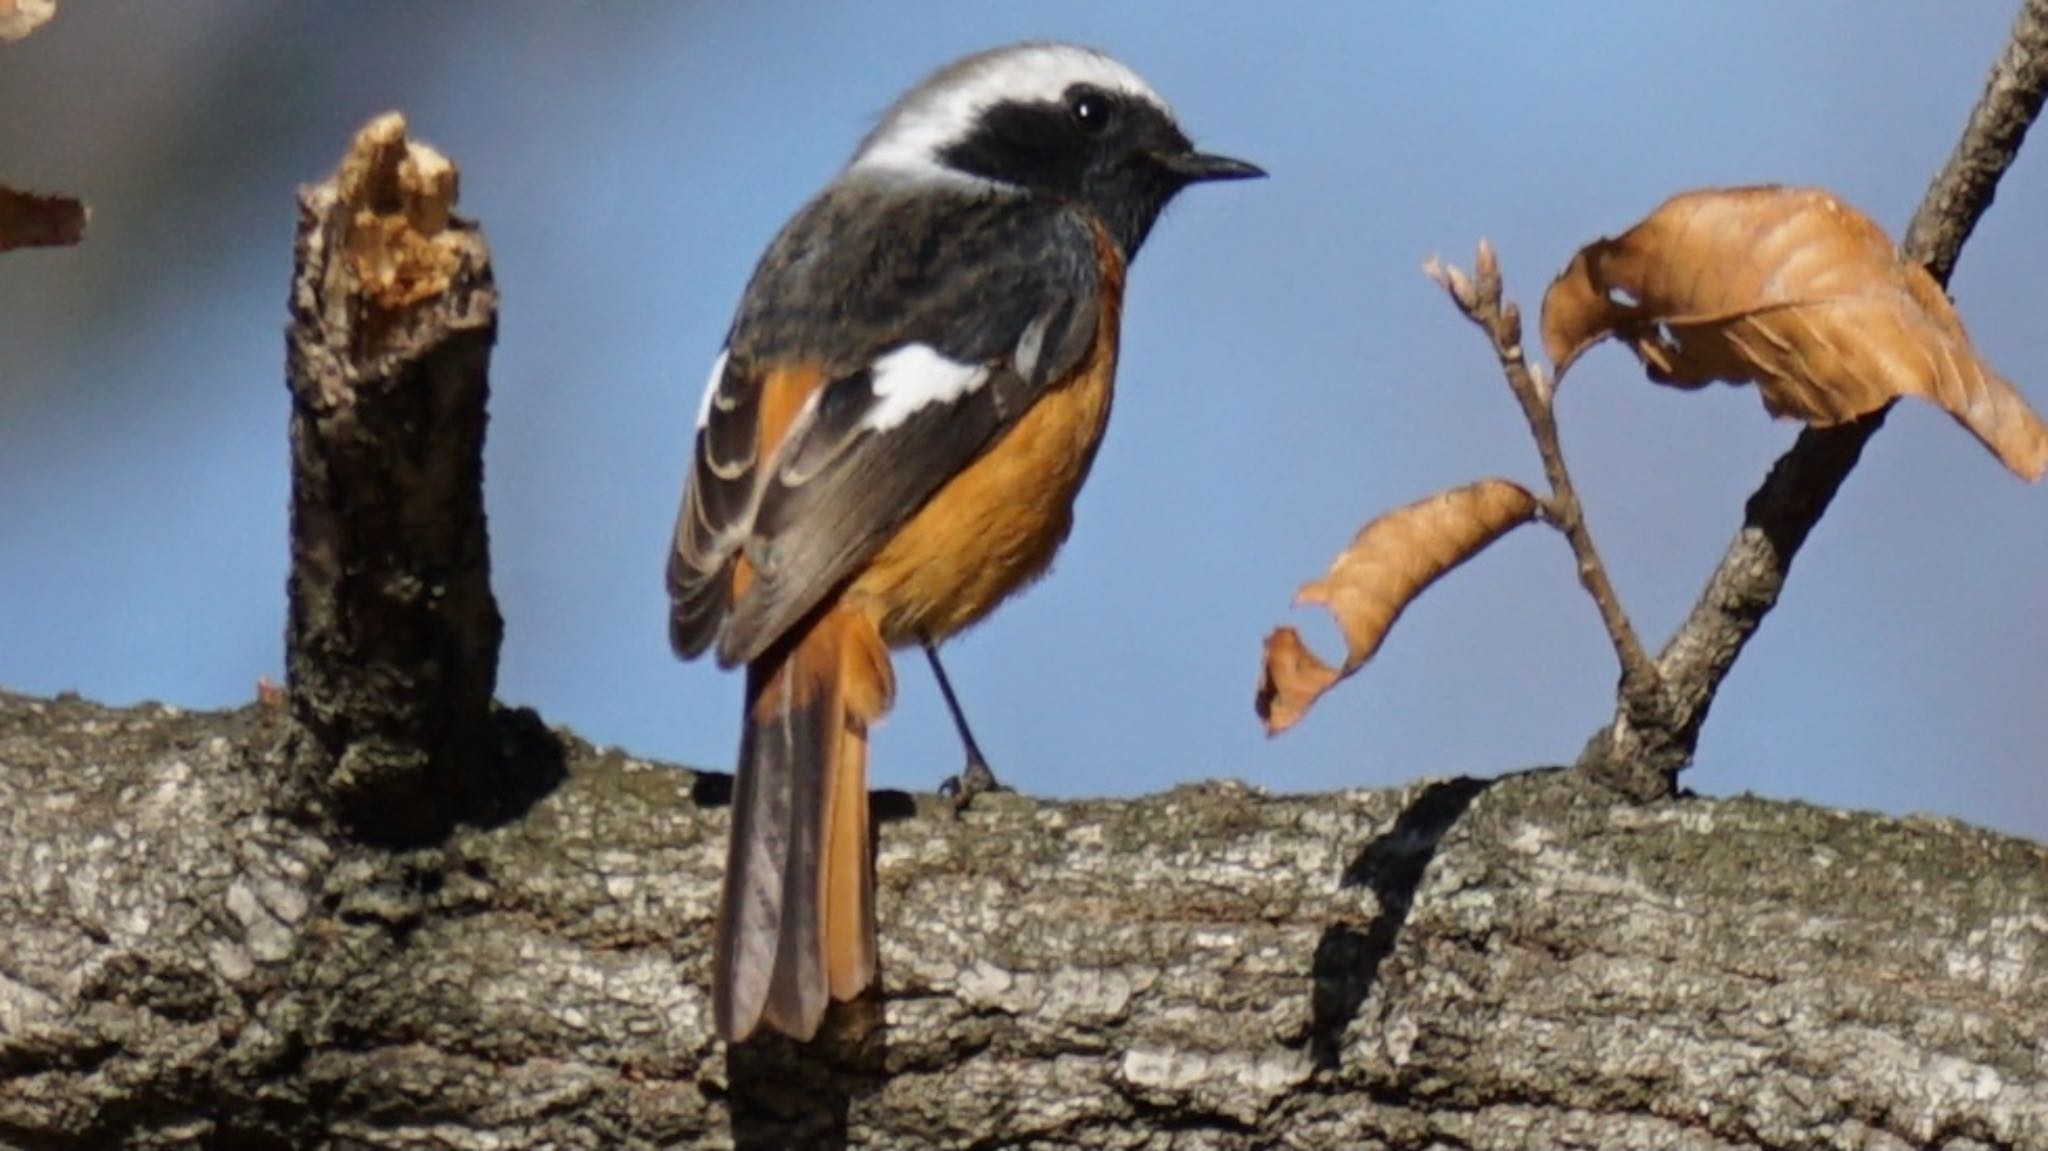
{"x":32,"y":221}
{"x":1641,"y":752}
{"x":26,"y":220}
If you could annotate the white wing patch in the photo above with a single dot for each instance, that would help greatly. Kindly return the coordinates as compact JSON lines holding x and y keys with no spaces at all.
{"x":711,"y":389}
{"x":914,"y":377}
{"x":942,"y":111}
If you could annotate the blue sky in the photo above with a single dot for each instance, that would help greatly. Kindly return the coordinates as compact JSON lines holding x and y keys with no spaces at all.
{"x":1287,"y":372}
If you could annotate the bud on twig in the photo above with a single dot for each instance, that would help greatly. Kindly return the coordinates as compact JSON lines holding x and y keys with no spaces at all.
{"x":1451,"y":280}
{"x":1486,"y":273}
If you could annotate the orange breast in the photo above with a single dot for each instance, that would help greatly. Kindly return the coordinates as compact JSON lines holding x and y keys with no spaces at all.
{"x":994,"y":527}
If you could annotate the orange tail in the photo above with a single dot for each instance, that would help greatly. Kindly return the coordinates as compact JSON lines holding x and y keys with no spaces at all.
{"x":796,"y":924}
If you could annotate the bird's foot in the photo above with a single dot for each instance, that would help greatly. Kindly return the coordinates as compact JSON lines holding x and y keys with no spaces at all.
{"x":974,"y":779}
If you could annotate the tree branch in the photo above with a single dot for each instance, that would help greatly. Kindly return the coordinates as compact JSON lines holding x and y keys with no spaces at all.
{"x":31,"y":221}
{"x":1479,"y":296}
{"x":1641,"y":751}
{"x":392,"y":640}
{"x":1488,"y":965}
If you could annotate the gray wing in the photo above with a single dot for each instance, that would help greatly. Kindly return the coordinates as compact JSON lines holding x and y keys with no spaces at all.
{"x":717,"y":509}
{"x":938,"y":326}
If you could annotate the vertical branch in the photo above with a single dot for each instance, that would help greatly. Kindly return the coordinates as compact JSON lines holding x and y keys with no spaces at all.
{"x":1480,"y":297}
{"x":1642,"y":750}
{"x":392,"y":639}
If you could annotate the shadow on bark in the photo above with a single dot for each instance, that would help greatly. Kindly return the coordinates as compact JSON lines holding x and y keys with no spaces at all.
{"x":528,"y":761}
{"x":712,"y":790}
{"x":1347,"y":960}
{"x":790,"y":1095}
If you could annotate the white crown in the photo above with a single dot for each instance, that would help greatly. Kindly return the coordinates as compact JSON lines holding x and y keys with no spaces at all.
{"x":942,"y":111}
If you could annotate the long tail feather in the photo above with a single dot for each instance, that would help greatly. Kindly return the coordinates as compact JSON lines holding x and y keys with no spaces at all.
{"x":796,"y":925}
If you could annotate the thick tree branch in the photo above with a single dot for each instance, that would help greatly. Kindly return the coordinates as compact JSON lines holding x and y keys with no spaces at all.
{"x":1520,"y":964}
{"x":1641,"y":751}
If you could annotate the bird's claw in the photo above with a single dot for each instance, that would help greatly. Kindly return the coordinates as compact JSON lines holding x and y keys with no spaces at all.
{"x":974,"y":779}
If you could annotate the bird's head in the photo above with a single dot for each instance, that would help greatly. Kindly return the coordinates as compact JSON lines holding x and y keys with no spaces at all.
{"x":1049,"y":119}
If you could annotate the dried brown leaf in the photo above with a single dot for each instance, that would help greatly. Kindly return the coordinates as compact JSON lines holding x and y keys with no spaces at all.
{"x":18,"y":18}
{"x":1291,"y":679}
{"x":31,"y":221}
{"x":1796,"y":291}
{"x":1391,"y":561}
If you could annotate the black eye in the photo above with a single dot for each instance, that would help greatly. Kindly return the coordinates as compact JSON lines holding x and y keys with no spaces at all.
{"x":1090,"y":109}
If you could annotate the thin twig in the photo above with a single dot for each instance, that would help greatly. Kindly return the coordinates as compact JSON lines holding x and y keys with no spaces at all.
{"x":1479,"y":297}
{"x":1642,"y":750}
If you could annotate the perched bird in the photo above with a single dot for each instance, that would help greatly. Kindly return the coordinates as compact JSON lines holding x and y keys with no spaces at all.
{"x":889,"y":445}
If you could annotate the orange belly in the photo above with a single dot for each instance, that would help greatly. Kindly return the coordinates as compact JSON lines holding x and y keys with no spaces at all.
{"x":994,"y":527}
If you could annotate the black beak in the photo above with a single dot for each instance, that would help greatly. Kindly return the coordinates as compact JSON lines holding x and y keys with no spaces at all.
{"x":1196,"y":167}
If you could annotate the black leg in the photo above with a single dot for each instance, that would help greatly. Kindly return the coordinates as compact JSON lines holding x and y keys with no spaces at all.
{"x":975,"y":778}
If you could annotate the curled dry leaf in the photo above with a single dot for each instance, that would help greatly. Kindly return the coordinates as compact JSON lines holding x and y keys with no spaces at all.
{"x":1392,"y":560}
{"x":1797,"y":291}
{"x":18,"y":18}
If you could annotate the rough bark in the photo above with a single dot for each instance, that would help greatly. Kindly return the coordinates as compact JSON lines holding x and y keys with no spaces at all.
{"x":1649,"y":741}
{"x":392,"y":639}
{"x":1456,"y":964}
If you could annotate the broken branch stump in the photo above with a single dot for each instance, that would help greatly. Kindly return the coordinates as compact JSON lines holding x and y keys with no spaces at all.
{"x":392,"y":638}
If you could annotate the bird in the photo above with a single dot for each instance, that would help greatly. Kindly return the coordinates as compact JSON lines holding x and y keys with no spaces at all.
{"x":890,"y":443}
